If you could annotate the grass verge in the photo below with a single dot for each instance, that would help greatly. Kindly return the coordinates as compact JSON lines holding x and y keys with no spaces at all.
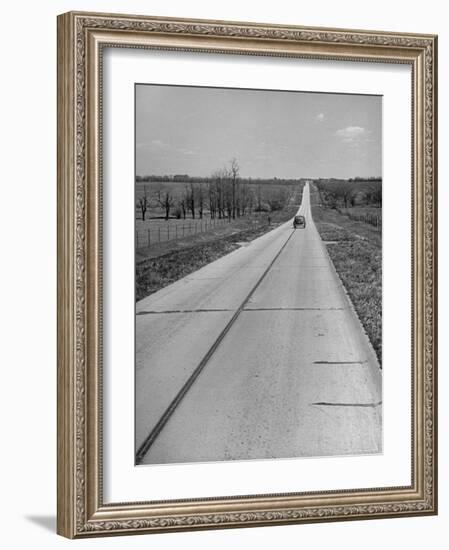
{"x":356,"y":252}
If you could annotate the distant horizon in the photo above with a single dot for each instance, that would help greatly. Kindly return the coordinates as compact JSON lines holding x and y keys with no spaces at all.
{"x":257,"y":177}
{"x":198,"y":130}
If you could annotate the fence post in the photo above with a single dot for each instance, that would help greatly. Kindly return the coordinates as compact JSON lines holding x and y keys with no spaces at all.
{"x":159,"y":228}
{"x":149,"y":238}
{"x":137,"y":240}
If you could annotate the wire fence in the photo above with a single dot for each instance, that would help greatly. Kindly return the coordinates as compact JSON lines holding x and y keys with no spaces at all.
{"x":157,"y":231}
{"x":372,"y":219}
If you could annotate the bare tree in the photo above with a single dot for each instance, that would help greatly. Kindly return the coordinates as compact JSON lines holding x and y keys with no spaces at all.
{"x":277,"y":199}
{"x":166,"y":201}
{"x":200,"y":199}
{"x":190,"y":195}
{"x":221,"y":191}
{"x":213,"y":196}
{"x":259,"y":198}
{"x":144,"y":202}
{"x":333,"y":192}
{"x":183,"y":206}
{"x":373,"y":195}
{"x":246,"y":199}
{"x":234,"y":171}
{"x":345,"y":191}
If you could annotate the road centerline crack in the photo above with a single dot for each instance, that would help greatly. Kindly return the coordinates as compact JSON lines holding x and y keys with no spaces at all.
{"x":340,"y":362}
{"x":330,"y":404}
{"x":171,"y":311}
{"x":294,"y":309}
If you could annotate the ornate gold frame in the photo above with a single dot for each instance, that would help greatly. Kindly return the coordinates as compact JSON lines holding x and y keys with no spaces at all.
{"x":81,"y":37}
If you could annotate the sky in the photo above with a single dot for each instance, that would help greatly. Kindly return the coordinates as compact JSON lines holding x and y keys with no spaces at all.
{"x":197,"y":131}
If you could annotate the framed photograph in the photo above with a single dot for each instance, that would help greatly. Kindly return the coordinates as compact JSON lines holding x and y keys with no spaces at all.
{"x":246,"y":274}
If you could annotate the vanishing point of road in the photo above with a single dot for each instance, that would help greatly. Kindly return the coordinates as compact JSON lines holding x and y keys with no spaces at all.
{"x":259,"y":354}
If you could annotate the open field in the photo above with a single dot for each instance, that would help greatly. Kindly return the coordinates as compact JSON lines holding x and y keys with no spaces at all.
{"x":356,"y":251}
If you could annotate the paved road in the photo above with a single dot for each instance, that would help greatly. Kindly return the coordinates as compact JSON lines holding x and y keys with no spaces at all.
{"x":257,"y":355}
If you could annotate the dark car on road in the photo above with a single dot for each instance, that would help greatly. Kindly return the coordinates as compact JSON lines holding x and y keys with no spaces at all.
{"x":299,"y":221}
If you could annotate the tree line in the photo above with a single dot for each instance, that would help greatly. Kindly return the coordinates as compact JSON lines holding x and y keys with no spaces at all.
{"x":349,"y":193}
{"x":223,"y":195}
{"x":185,"y":178}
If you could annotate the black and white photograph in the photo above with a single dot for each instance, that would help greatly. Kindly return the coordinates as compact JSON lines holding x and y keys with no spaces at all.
{"x":258,"y":265}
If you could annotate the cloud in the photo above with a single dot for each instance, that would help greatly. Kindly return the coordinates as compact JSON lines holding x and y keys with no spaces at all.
{"x":320,"y":117}
{"x":351,"y":134}
{"x":159,"y":144}
{"x":154,"y":145}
